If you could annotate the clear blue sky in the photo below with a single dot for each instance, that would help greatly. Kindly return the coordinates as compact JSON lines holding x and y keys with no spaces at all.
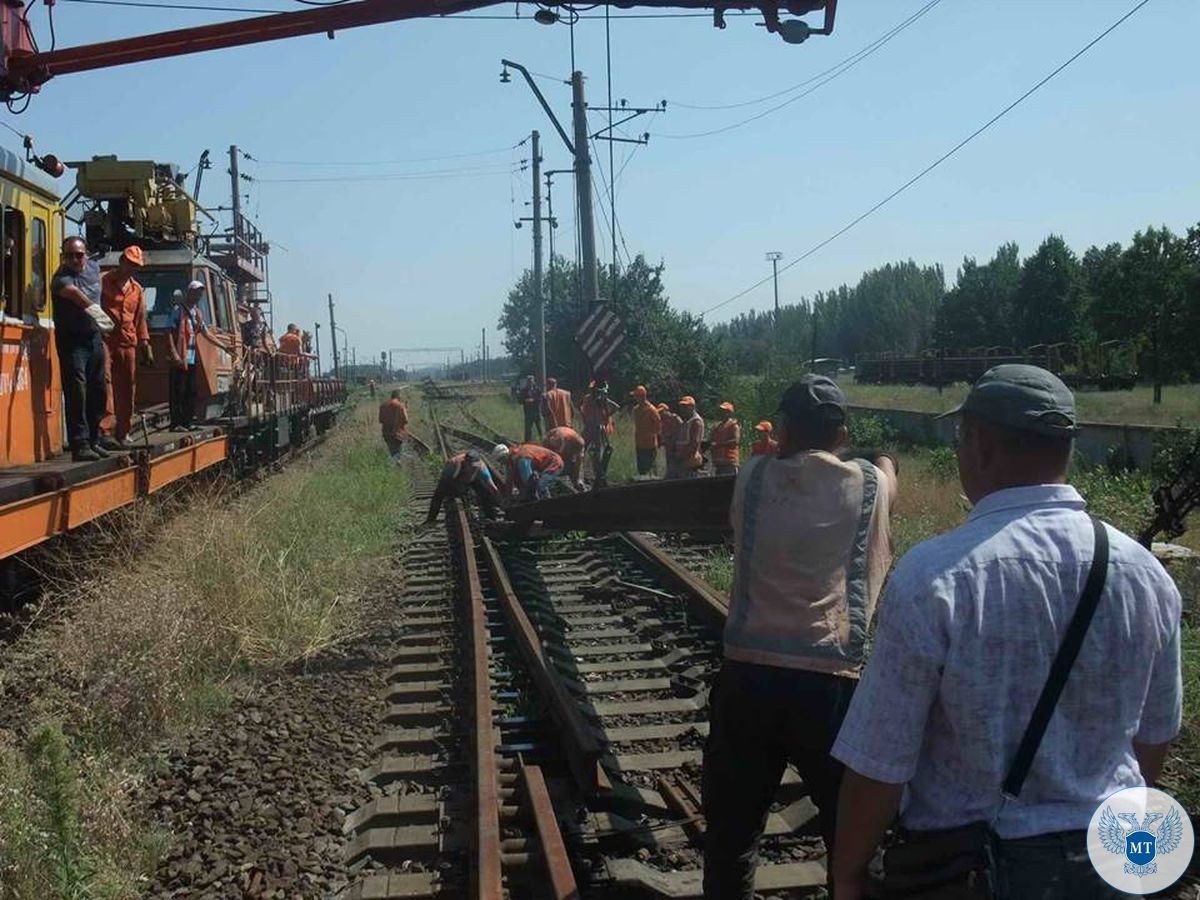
{"x":1108,"y":147}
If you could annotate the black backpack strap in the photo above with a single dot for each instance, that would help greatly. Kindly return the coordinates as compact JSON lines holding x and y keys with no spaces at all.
{"x":1060,"y":669}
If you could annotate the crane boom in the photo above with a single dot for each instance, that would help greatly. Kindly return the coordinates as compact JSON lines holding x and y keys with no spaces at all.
{"x":26,"y":71}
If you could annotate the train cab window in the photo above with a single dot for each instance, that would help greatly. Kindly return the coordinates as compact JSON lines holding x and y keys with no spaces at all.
{"x":160,"y":286}
{"x":12,"y":264}
{"x":37,"y":256}
{"x":220,"y":301}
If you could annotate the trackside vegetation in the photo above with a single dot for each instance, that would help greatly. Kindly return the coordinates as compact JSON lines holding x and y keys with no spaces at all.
{"x":182,"y":605}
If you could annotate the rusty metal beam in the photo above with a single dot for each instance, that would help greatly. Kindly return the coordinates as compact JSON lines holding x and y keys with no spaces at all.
{"x":554,"y":852}
{"x":707,"y":604}
{"x":696,"y":504}
{"x":580,"y":742}
{"x":486,"y":870}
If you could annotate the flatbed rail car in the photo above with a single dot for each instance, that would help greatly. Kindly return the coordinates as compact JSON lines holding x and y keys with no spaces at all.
{"x":253,"y":406}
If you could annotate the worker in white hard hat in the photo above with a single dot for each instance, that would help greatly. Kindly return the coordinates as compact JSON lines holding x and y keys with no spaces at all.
{"x":187,"y":322}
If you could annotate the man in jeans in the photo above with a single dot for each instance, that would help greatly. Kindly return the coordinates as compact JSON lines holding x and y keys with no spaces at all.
{"x":530,"y":396}
{"x":966,"y":636}
{"x":77,"y":313}
{"x":811,"y":547}
{"x":186,"y":323}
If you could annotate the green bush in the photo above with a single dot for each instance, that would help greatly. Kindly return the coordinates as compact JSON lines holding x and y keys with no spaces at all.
{"x":871,"y":431}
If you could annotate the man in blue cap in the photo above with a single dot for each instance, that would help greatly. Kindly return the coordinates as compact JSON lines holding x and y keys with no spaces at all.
{"x":967,"y":634}
{"x":811,"y":548}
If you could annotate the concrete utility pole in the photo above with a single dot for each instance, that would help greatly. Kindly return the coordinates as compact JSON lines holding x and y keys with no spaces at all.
{"x":537,"y":259}
{"x":583,"y":189}
{"x":774,"y":256}
{"x":483,"y":360}
{"x":333,"y":337}
{"x":317,"y":344}
{"x":234,"y":181}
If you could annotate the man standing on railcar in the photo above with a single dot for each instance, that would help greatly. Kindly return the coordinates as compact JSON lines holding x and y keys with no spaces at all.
{"x":811,"y":548}
{"x":125,"y":303}
{"x":79,"y":321}
{"x":186,"y":323}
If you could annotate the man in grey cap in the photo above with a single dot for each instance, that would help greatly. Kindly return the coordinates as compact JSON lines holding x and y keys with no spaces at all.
{"x":811,"y":548}
{"x":967,"y":632}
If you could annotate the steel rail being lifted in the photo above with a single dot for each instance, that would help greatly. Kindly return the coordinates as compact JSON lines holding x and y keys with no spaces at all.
{"x":26,"y":70}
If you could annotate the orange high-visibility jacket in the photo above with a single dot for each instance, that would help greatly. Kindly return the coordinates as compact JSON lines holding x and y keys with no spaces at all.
{"x":543,"y":459}
{"x":393,"y":417}
{"x":647,"y":426}
{"x":764,"y":447}
{"x":566,"y":442}
{"x":126,"y":306}
{"x":726,"y":442}
{"x":558,"y":408}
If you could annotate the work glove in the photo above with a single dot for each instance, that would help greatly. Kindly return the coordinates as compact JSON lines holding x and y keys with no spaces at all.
{"x":103,"y":323}
{"x":146,"y":354}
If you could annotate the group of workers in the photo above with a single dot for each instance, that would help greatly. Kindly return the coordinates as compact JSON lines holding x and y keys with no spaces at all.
{"x":679,"y":433}
{"x":102,"y":335}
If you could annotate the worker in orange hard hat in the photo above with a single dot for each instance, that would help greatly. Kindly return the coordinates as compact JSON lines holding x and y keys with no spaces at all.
{"x":122,"y":297}
{"x":669,"y":426}
{"x":569,"y":444}
{"x":765,"y":445}
{"x":556,"y":405}
{"x":393,"y":422}
{"x":689,"y":438}
{"x":725,"y":444}
{"x":532,"y":468}
{"x":647,"y":429}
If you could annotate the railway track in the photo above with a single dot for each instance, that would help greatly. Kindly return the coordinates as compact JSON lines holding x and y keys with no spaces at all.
{"x":546,"y":714}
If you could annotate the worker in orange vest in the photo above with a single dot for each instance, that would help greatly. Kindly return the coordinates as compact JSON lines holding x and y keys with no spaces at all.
{"x":669,"y":425}
{"x":465,"y":472}
{"x":569,"y":444}
{"x":556,"y":405}
{"x":647,"y":429}
{"x":765,"y":445}
{"x":532,"y":468}
{"x":726,"y":442}
{"x":122,"y":297}
{"x":393,"y":421}
{"x":688,"y":439}
{"x":597,"y":410}
{"x":186,"y":322}
{"x":291,"y":350}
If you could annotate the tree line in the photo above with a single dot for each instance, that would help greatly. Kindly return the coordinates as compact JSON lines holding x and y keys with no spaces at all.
{"x":1146,"y":293}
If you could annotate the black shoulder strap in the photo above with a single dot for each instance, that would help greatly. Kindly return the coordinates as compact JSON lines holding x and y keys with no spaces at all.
{"x":1060,"y":669}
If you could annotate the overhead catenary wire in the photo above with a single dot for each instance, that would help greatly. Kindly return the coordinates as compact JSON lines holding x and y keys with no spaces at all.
{"x":495,"y":151}
{"x":477,"y":172}
{"x":941,"y":159}
{"x":831,"y":74}
{"x":883,"y":38}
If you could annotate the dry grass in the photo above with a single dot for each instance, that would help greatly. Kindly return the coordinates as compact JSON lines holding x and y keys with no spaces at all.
{"x":179,"y":605}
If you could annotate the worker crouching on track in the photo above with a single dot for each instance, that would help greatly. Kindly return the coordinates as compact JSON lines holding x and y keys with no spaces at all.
{"x":556,"y":405}
{"x":668,"y":437}
{"x":725,"y":444}
{"x":123,"y":299}
{"x":811,"y":548}
{"x":465,"y":472}
{"x":393,"y":422}
{"x":567,"y":443}
{"x":532,"y":469}
{"x":765,"y":445}
{"x":647,"y":431}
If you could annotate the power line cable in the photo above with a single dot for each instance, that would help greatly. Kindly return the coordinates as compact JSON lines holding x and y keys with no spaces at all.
{"x":407,"y":176}
{"x":883,"y":38}
{"x":937,"y":162}
{"x":461,"y":17}
{"x":834,"y":73}
{"x":496,"y":151}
